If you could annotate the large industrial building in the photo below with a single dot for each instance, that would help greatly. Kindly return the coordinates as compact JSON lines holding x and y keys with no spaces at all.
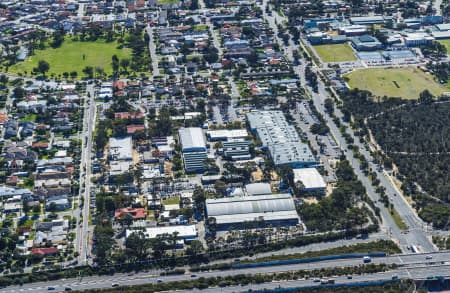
{"x":184,"y":232}
{"x":193,"y":148}
{"x":253,"y":211}
{"x":280,"y":139}
{"x":310,"y":178}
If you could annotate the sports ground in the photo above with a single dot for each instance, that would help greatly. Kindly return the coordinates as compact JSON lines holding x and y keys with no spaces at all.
{"x":406,"y":82}
{"x":335,"y":53}
{"x":73,"y":56}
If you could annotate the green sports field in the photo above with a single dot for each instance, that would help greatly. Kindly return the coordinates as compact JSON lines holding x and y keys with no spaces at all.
{"x":406,"y":82}
{"x":446,"y":43}
{"x":335,"y":53}
{"x":69,"y":57}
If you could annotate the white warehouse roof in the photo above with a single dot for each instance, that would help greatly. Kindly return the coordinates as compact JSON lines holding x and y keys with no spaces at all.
{"x":226,"y":133}
{"x":258,"y":188}
{"x":192,"y":139}
{"x":184,"y":231}
{"x":250,"y":208}
{"x":310,"y":178}
{"x":120,"y":148}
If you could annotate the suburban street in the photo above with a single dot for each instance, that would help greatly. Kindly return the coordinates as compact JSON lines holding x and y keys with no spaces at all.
{"x":412,"y":265}
{"x":82,"y":231}
{"x":152,"y":49}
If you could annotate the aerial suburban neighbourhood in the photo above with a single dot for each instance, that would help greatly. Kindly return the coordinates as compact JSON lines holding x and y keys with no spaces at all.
{"x":232,"y":146}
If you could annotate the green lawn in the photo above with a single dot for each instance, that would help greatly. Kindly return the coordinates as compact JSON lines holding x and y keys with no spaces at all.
{"x":167,"y":2}
{"x":69,"y":57}
{"x":29,"y":118}
{"x":398,"y":220}
{"x":446,"y":43}
{"x":406,"y":82}
{"x":335,"y":53}
{"x":172,"y":200}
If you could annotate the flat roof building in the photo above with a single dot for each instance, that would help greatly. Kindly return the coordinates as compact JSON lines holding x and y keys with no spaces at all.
{"x":225,"y":134}
{"x":367,"y":19}
{"x":280,"y":139}
{"x":185,"y":232}
{"x":193,"y":148}
{"x":366,"y":43}
{"x":236,"y":150}
{"x":192,"y":139}
{"x":310,"y":178}
{"x":253,"y":211}
{"x":120,"y":148}
{"x":259,"y":188}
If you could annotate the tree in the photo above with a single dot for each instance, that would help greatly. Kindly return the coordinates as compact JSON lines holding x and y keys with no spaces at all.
{"x":89,"y":71}
{"x":137,"y":245}
{"x":99,"y":71}
{"x":73,"y":74}
{"x":43,"y":67}
{"x":194,"y":249}
{"x":115,"y":64}
{"x":199,"y":197}
{"x":57,"y":38}
{"x":18,"y":93}
{"x":329,"y":107}
{"x":220,"y":187}
{"x":426,"y":97}
{"x":125,"y":63}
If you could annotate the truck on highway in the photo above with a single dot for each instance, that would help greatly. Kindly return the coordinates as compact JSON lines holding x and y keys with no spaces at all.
{"x":367,"y":259}
{"x":327,"y":281}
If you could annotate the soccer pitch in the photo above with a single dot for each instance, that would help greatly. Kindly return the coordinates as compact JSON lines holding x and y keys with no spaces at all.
{"x":335,"y":53}
{"x":406,"y":82}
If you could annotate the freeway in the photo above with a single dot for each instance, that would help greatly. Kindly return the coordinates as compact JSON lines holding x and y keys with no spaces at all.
{"x":412,"y":265}
{"x":416,"y":234}
{"x":341,"y":280}
{"x":82,"y":231}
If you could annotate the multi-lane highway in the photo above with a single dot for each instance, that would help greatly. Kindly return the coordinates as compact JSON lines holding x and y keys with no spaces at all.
{"x":411,"y":266}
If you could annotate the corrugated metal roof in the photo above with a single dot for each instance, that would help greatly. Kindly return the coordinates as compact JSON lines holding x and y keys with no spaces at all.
{"x":191,"y":138}
{"x":250,"y":205}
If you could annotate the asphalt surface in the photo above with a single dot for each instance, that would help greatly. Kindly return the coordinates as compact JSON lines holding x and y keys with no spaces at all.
{"x":82,"y":231}
{"x":152,"y":49}
{"x":414,"y":266}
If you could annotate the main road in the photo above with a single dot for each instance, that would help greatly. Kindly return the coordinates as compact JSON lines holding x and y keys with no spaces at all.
{"x":411,"y":266}
{"x":417,"y":233}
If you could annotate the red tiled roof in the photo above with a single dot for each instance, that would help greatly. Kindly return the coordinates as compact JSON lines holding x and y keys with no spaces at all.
{"x":128,"y":115}
{"x":3,"y":117}
{"x":131,"y":129}
{"x":120,"y":85}
{"x":40,"y":145}
{"x":137,"y":213}
{"x":44,"y":250}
